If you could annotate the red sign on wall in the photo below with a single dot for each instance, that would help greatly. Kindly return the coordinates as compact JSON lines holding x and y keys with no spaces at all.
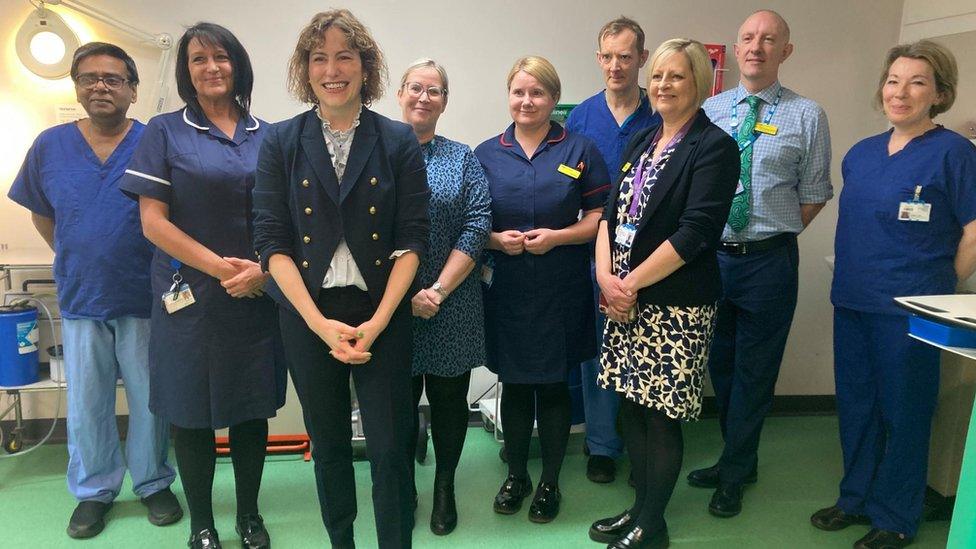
{"x":717,"y":53}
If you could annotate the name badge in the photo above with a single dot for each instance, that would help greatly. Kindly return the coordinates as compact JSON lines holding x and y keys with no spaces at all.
{"x":625,"y":167}
{"x":566,"y":170}
{"x":767,"y":129}
{"x":487,"y":275}
{"x":625,"y":235}
{"x":914,"y":211}
{"x":178,"y":297}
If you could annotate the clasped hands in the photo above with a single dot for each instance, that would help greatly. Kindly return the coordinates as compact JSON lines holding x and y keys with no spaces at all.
{"x":347,"y":344}
{"x":426,"y":303}
{"x":621,"y":296}
{"x":536,"y":241}
{"x":243,"y":278}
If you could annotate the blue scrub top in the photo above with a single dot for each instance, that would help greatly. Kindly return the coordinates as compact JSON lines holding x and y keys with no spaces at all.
{"x":101,"y":259}
{"x":593,"y":119}
{"x":878,"y":256}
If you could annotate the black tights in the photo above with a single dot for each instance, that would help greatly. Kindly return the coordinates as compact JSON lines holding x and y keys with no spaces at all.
{"x":448,"y":398}
{"x":521,"y":405}
{"x":656,"y":447}
{"x":196,"y":455}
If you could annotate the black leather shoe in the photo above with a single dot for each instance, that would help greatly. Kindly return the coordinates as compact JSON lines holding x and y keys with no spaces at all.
{"x":636,"y":538}
{"x":610,"y":529}
{"x":508,"y":501}
{"x":253,"y":533}
{"x":726,"y":501}
{"x":204,"y":539}
{"x":708,"y":477}
{"x":601,"y":469}
{"x":163,"y":507}
{"x":545,"y":504}
{"x":882,"y":539}
{"x":834,"y":518}
{"x":88,"y":519}
{"x":443,"y":516}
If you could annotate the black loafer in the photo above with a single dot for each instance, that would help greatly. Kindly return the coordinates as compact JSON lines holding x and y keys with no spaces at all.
{"x":610,"y":529}
{"x":601,"y":469}
{"x":88,"y":519}
{"x":726,"y":501}
{"x":882,"y":539}
{"x":545,"y":504}
{"x":834,"y":518}
{"x":637,"y":538}
{"x":443,"y":516}
{"x":508,"y":501}
{"x":253,"y":533}
{"x":163,"y":507}
{"x":204,"y":539}
{"x":708,"y":477}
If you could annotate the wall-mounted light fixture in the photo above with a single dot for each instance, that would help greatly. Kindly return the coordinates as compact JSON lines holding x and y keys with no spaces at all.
{"x":45,"y":44}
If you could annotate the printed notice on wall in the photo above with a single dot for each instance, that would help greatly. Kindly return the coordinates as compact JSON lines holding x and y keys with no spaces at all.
{"x":68,"y":113}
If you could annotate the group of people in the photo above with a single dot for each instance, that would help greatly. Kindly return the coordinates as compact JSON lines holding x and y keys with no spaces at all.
{"x":652,"y":238}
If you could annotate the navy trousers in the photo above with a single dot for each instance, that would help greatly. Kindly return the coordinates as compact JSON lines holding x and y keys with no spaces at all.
{"x":887,"y":387}
{"x":754,"y":316}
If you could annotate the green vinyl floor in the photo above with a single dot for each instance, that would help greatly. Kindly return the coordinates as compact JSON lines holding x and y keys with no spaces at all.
{"x":799,"y":468}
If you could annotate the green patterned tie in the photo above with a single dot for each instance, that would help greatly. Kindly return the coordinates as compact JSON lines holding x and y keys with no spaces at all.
{"x":739,"y":215}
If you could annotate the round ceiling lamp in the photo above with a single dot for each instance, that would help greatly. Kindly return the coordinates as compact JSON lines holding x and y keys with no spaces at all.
{"x":45,"y":44}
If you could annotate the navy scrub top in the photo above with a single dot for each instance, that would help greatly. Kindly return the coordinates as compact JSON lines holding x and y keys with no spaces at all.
{"x":878,"y":256}
{"x":539,"y":308}
{"x":219,"y":361}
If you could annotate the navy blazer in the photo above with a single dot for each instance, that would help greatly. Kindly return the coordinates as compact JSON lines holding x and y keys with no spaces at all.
{"x":688,"y":206}
{"x":301,"y":210}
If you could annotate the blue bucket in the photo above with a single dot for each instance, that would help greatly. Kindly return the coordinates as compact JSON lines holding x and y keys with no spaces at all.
{"x":18,"y":346}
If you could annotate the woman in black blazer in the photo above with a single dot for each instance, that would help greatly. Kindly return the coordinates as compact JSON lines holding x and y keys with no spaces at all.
{"x":658,"y":271}
{"x":341,"y":224}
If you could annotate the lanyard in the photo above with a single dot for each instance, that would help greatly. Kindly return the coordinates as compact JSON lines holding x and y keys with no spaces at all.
{"x":640,"y":175}
{"x":735,"y":119}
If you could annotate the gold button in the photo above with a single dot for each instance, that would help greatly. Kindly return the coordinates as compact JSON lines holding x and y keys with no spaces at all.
{"x":308,"y":211}
{"x":306,"y":239}
{"x":376,"y":236}
{"x":372,"y":181}
{"x":305,"y":183}
{"x":378,"y":262}
{"x":372,"y":210}
{"x":305,"y":264}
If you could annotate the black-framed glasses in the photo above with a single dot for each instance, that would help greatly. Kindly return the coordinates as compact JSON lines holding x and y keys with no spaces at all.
{"x":89,"y":81}
{"x":416,"y":89}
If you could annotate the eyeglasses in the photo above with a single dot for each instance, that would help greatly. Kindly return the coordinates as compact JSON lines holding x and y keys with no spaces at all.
{"x":416,"y":89}
{"x":89,"y":81}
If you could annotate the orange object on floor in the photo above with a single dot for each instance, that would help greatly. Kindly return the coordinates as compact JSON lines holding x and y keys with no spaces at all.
{"x":277,"y":444}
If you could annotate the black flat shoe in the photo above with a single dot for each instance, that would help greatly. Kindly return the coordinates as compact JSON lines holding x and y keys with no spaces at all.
{"x":443,"y":516}
{"x":708,"y":477}
{"x":164,"y":508}
{"x":545,"y":504}
{"x":726,"y":501}
{"x":636,"y":538}
{"x":204,"y":539}
{"x":834,"y":518}
{"x":88,"y":519}
{"x":610,"y":529}
{"x":883,"y":539}
{"x":508,"y":501}
{"x":601,"y":469}
{"x":253,"y":533}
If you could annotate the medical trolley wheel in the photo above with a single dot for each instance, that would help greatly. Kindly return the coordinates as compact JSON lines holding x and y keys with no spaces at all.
{"x":15,"y":443}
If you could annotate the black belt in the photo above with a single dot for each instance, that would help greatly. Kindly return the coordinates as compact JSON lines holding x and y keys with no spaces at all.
{"x":766,"y":244}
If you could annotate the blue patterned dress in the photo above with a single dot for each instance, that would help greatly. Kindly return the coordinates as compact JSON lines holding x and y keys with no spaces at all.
{"x":453,"y":341}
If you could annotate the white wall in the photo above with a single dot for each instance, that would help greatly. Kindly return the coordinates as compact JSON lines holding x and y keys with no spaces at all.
{"x":839,"y":47}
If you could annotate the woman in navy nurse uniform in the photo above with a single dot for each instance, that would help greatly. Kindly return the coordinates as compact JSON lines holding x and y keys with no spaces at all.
{"x":907,"y":226}
{"x":539,"y":317}
{"x":217,"y":362}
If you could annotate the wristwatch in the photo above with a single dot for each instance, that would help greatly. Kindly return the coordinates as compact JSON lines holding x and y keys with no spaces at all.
{"x":439,"y":289}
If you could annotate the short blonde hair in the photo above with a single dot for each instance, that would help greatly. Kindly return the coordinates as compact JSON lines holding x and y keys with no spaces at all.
{"x":943,"y":65}
{"x":539,"y":68}
{"x":359,"y":39}
{"x":697,"y":56}
{"x":426,"y":63}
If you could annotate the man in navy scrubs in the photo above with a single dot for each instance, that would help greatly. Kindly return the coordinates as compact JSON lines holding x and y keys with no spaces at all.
{"x":70,"y":183}
{"x":784,"y":182}
{"x":610,"y":118}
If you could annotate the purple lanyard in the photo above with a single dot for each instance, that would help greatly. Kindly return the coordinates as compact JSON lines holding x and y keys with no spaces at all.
{"x":640,"y":176}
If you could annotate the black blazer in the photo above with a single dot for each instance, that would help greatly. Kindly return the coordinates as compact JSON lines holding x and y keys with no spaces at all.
{"x":302,"y":211}
{"x":688,"y":206}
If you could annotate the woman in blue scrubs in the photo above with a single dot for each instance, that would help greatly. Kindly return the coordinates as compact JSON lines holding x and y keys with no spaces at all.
{"x":907,"y":226}
{"x":216,"y":359}
{"x":539,"y":319}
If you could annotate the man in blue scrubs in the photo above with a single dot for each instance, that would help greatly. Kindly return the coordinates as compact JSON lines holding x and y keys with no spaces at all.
{"x":784,"y":182}
{"x":610,"y":118}
{"x":70,"y":183}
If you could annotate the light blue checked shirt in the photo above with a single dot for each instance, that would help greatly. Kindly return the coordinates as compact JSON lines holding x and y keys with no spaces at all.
{"x":789,"y":168}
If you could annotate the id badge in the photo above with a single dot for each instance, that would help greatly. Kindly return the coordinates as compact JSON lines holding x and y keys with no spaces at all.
{"x":487,"y":275}
{"x":625,"y":235}
{"x":915,"y":211}
{"x":178,"y":297}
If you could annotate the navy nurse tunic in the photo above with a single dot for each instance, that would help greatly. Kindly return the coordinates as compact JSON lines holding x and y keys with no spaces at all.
{"x":219,"y":361}
{"x":539,"y":308}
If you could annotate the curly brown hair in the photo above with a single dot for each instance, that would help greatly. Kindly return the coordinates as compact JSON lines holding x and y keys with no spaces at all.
{"x":360,"y":40}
